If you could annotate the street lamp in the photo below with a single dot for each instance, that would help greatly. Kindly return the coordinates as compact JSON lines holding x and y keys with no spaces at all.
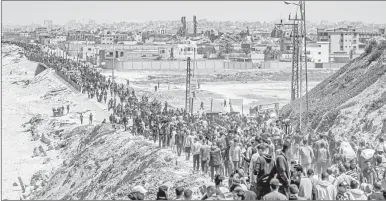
{"x":289,"y":2}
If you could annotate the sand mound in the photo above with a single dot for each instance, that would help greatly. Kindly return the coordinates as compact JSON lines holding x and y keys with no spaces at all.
{"x":103,"y":163}
{"x":351,"y":102}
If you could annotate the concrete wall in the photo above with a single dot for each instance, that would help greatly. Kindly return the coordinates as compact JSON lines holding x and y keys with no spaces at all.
{"x":204,"y":65}
{"x":164,"y":65}
{"x":40,"y":68}
{"x":333,"y":65}
{"x":238,"y":65}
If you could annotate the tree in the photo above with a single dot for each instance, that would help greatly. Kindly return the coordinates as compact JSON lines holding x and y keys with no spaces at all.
{"x":268,"y":53}
{"x":228,"y":48}
{"x":247,"y":51}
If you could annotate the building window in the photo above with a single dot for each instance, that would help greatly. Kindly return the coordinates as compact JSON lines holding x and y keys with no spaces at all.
{"x":121,"y":54}
{"x":319,"y":53}
{"x":319,"y":45}
{"x":89,"y":49}
{"x":319,"y":60}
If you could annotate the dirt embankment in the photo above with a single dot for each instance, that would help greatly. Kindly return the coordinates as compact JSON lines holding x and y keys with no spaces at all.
{"x":103,"y":163}
{"x":352,"y":101}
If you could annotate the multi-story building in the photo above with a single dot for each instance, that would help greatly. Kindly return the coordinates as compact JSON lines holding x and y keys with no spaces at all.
{"x":48,"y":24}
{"x":110,"y":38}
{"x":318,"y":52}
{"x":344,"y":39}
{"x":25,"y":34}
{"x":80,"y":36}
{"x":107,"y":39}
{"x":61,"y":38}
{"x":41,"y":30}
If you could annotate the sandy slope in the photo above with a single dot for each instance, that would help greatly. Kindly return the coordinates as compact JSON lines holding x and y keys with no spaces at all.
{"x":21,"y":102}
{"x":352,"y":101}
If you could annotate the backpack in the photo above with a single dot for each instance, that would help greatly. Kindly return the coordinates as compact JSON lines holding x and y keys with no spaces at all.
{"x":347,"y":150}
{"x":380,"y":171}
{"x":268,"y":168}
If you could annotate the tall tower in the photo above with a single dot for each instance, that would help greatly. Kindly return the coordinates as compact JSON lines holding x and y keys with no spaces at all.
{"x":183,"y":22}
{"x":195,"y":26}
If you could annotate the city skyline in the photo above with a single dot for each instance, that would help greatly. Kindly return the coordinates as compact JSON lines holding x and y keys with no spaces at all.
{"x":60,"y":12}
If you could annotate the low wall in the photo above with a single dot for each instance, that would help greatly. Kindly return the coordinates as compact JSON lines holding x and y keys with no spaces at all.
{"x":283,"y":65}
{"x":41,"y":67}
{"x":205,"y":65}
{"x":201,"y":65}
{"x":238,"y":65}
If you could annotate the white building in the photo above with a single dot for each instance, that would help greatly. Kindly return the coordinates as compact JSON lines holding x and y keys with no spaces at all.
{"x":318,"y":52}
{"x":61,"y":38}
{"x":24,"y":34}
{"x":107,"y":40}
{"x":90,"y":51}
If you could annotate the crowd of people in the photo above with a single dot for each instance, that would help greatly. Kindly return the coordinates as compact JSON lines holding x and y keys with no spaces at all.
{"x":258,"y":158}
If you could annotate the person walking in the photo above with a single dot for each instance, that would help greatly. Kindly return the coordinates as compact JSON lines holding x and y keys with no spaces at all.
{"x":262,"y":170}
{"x":196,"y":155}
{"x":214,"y":160}
{"x":188,"y":145}
{"x":306,"y":155}
{"x":90,"y":119}
{"x":282,"y":169}
{"x":326,"y":190}
{"x":81,"y":118}
{"x":275,"y":194}
{"x":125,"y":122}
{"x":204,"y":155}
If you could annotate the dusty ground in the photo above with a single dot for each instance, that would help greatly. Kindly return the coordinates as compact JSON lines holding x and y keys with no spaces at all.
{"x":255,"y":87}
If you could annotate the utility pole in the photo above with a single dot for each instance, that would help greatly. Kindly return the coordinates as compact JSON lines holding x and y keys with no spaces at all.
{"x":299,"y":36}
{"x":303,"y":13}
{"x":112,"y":73}
{"x":187,"y":91}
{"x":295,"y":58}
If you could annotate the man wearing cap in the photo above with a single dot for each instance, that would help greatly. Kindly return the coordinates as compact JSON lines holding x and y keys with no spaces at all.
{"x":274,"y":194}
{"x":377,"y":194}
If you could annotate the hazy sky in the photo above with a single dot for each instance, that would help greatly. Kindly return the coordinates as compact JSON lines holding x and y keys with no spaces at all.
{"x":136,"y":11}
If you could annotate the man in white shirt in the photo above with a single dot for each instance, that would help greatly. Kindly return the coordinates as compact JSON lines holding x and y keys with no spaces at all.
{"x":196,"y":154}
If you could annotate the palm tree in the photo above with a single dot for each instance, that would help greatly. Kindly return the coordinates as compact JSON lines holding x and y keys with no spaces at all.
{"x":268,"y":53}
{"x":228,"y":48}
